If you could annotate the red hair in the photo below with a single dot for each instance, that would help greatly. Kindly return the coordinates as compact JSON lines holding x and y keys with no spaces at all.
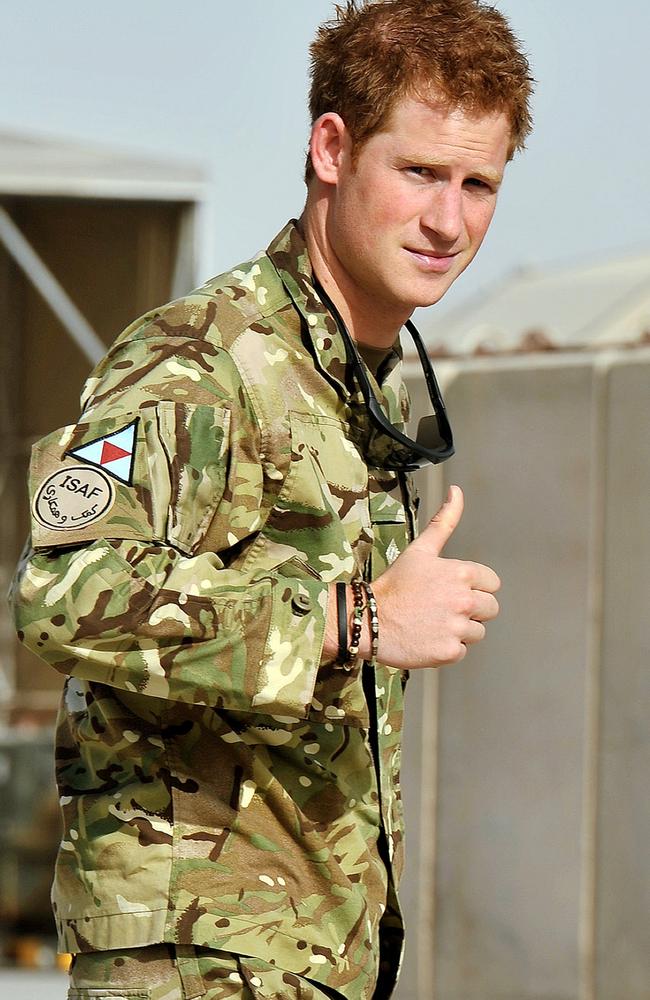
{"x":461,"y":53}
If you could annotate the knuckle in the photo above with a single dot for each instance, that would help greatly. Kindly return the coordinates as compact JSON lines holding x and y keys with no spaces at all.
{"x":466,"y":605}
{"x":453,"y":651}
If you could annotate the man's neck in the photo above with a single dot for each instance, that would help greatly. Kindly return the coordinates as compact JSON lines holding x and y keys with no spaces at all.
{"x":368,"y":324}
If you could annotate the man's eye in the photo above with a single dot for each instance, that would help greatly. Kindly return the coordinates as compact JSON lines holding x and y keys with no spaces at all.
{"x":420,"y":171}
{"x":476,"y":182}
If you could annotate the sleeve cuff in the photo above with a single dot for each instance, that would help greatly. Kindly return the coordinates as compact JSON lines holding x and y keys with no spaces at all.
{"x":292,"y":681}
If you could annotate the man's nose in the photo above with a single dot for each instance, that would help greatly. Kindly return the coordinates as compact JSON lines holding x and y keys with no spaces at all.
{"x":444,"y":215}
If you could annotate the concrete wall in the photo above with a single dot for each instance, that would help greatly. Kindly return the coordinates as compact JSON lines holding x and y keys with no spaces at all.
{"x":526,"y":766}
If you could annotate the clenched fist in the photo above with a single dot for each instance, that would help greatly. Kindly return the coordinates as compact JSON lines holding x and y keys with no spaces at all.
{"x":431,"y":608}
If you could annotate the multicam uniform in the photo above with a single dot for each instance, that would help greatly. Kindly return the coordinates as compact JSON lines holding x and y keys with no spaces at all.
{"x":221,"y":787}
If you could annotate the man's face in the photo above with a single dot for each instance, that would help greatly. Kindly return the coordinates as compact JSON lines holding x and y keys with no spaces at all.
{"x":412,"y":212}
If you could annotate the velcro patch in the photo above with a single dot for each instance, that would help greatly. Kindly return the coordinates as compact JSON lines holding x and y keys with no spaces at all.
{"x":73,"y":498}
{"x":153,"y":475}
{"x":113,"y":453}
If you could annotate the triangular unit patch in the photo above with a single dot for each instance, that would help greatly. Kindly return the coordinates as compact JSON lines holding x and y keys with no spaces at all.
{"x":114,"y":453}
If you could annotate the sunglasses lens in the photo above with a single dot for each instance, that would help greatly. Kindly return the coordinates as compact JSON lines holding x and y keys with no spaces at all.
{"x":433,"y":443}
{"x":429,"y":434}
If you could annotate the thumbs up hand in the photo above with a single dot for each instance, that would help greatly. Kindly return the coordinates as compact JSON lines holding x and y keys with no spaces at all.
{"x":431,"y":608}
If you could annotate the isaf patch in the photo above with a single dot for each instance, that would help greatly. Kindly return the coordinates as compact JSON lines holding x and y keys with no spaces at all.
{"x":113,"y":453}
{"x":73,"y":498}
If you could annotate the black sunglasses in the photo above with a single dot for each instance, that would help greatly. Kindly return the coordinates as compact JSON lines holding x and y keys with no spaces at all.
{"x":389,"y":448}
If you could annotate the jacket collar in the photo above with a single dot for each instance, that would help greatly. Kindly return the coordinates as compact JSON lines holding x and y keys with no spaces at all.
{"x":289,"y":255}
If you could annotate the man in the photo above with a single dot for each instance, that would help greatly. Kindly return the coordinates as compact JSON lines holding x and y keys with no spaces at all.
{"x":228,"y":770}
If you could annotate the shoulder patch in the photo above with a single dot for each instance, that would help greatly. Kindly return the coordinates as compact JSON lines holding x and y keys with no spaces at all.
{"x":114,"y":453}
{"x":156,"y":474}
{"x":73,"y":498}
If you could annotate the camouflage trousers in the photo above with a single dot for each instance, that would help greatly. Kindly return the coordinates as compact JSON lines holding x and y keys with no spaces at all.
{"x":182,"y":972}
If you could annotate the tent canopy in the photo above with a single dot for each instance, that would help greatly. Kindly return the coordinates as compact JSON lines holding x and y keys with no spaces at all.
{"x":561,"y":308}
{"x":31,"y":165}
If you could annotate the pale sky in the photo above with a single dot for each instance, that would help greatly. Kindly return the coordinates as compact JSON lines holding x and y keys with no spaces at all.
{"x":203,"y":82}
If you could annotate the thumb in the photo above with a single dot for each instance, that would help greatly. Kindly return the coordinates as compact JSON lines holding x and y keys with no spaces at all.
{"x":442,"y":526}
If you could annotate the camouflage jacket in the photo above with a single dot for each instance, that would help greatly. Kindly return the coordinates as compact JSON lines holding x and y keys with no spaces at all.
{"x":219,"y":785}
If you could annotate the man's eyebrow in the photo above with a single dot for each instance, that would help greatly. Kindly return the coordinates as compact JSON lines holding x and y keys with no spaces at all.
{"x":483,"y":173}
{"x":487,"y":174}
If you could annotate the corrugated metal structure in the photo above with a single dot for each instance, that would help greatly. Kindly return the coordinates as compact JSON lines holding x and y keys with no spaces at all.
{"x":89,"y":239}
{"x":526,"y":767}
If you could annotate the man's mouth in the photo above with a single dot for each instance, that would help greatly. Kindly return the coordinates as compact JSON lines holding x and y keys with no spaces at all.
{"x":429,"y":260}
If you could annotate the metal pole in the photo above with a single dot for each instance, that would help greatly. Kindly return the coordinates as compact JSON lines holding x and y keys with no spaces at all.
{"x":49,"y":287}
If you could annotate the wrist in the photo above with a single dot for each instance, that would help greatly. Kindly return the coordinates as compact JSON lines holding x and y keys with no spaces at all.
{"x":387,"y":628}
{"x":331,"y":642}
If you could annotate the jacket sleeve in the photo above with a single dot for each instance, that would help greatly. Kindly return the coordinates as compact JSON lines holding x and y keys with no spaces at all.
{"x":142,"y":515}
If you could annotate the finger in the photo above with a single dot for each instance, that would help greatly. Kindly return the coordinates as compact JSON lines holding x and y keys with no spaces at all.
{"x":473,"y":632}
{"x":486,"y":607}
{"x":442,"y":526}
{"x":480,"y":577}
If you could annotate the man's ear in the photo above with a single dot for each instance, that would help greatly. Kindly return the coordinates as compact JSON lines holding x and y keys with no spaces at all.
{"x":329,"y":143}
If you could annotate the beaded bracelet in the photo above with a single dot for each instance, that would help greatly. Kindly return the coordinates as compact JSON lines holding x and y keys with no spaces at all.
{"x":374,"y":622}
{"x":357,"y":621}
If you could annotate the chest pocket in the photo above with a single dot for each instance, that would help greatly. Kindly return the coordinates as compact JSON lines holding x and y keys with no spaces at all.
{"x":321,"y":512}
